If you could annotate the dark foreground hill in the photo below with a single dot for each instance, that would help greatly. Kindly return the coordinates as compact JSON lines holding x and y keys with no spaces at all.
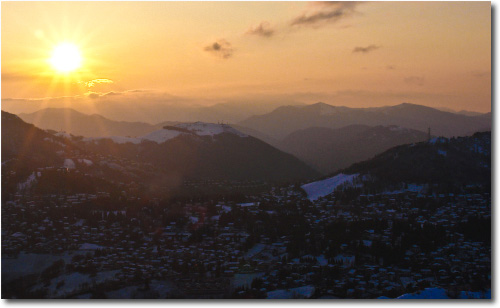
{"x":206,"y":151}
{"x":455,"y":161}
{"x":441,"y":164}
{"x":28,"y":144}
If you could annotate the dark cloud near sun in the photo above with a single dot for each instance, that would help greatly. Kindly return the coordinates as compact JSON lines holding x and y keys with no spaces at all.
{"x":415,"y":80}
{"x":221,"y":48}
{"x":326,"y":12}
{"x":366,"y":49}
{"x":264,"y":29}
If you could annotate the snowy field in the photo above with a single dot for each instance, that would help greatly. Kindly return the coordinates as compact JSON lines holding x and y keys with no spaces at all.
{"x":255,"y":250}
{"x":300,"y":292}
{"x":30,"y":263}
{"x":440,"y":293}
{"x":72,"y":282}
{"x":411,"y":188}
{"x":162,"y":135}
{"x":316,"y":190}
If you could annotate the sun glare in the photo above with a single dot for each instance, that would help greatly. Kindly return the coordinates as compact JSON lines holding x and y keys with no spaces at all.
{"x":66,"y":58}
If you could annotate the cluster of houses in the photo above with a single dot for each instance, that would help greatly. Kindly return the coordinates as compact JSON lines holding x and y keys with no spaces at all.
{"x":205,"y":253}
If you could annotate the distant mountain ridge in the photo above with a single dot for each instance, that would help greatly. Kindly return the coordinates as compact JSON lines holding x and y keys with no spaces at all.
{"x":285,"y":120}
{"x":80,"y":124}
{"x":329,"y":150}
{"x":203,"y":152}
{"x":154,"y":112}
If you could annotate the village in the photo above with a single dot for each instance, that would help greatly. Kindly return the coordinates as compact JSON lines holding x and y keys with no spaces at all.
{"x":273,"y":245}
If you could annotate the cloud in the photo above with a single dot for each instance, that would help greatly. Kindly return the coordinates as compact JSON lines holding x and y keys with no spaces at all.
{"x":221,"y":48}
{"x":415,"y":80}
{"x":328,"y":12}
{"x":93,"y":95}
{"x":263,"y":29}
{"x":366,"y":49}
{"x":96,"y":95}
{"x":91,"y":83}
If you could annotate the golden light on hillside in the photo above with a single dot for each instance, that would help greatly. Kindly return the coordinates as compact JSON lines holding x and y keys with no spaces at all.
{"x":66,"y":58}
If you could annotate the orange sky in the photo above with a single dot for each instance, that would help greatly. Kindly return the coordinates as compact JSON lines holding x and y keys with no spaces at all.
{"x":353,"y":54}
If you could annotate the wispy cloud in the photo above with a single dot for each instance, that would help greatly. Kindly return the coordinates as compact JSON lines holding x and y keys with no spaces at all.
{"x":221,"y":48}
{"x":326,"y":12}
{"x":264,"y":29}
{"x":91,"y":83}
{"x":366,"y":49}
{"x":96,"y":95}
{"x":415,"y":80}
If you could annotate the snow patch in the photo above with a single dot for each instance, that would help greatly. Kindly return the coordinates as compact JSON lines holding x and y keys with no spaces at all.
{"x":411,"y":188}
{"x":440,"y":293}
{"x":322,"y":261}
{"x":69,"y":163}
{"x":86,"y":162}
{"x":210,"y":129}
{"x":255,"y":250}
{"x":318,"y":189}
{"x":115,"y":139}
{"x":63,"y":134}
{"x":300,"y":292}
{"x":28,"y":183}
{"x":88,"y":246}
{"x":161,"y":136}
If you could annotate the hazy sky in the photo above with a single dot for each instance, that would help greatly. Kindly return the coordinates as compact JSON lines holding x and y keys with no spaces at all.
{"x":353,"y":54}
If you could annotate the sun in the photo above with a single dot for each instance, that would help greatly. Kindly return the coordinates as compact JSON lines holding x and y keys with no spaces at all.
{"x":66,"y":58}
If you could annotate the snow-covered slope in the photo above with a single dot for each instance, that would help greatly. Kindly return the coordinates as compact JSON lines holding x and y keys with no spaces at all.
{"x":440,"y":293}
{"x":300,"y":292}
{"x":210,"y":129}
{"x":167,"y":133}
{"x":322,"y":188}
{"x":161,"y":135}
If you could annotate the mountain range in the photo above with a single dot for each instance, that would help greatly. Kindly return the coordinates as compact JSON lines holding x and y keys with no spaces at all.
{"x":80,"y":124}
{"x":164,"y":158}
{"x":449,"y":163}
{"x":286,"y":120}
{"x":205,"y":151}
{"x":325,"y":137}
